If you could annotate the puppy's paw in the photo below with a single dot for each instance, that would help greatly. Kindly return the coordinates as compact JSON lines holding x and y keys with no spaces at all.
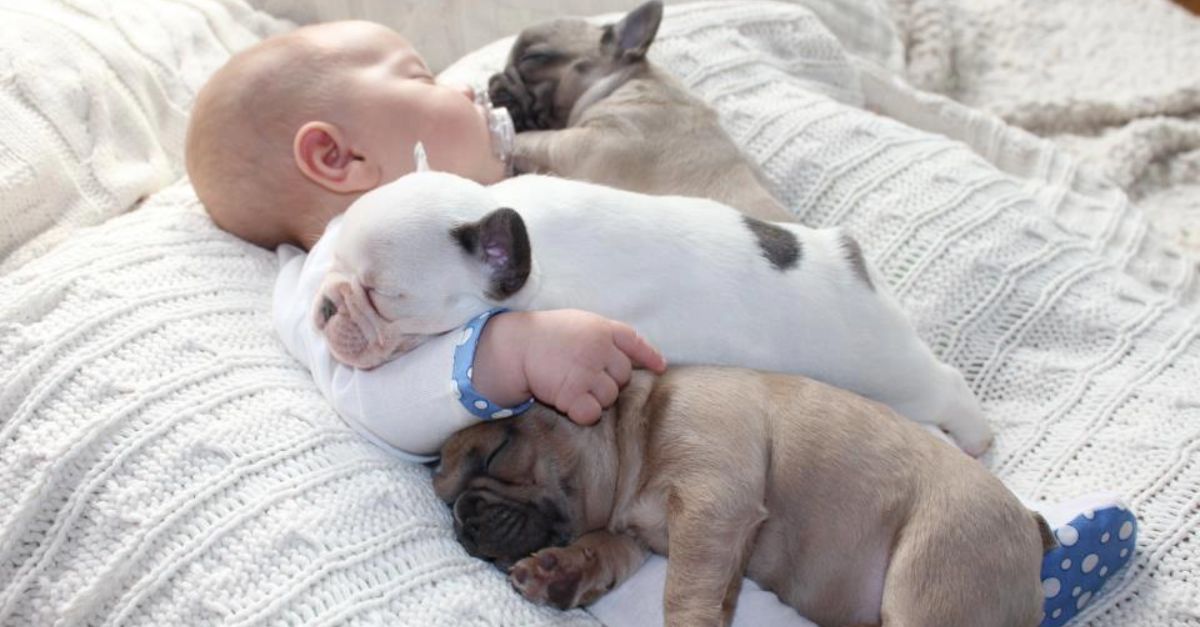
{"x":974,"y":439}
{"x":523,"y":164}
{"x":530,"y":155}
{"x":976,"y":448}
{"x":557,"y":576}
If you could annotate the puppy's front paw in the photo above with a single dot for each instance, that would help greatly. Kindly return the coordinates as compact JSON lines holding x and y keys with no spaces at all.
{"x":555,"y":576}
{"x":523,"y":164}
{"x":530,"y":154}
{"x":977,"y":447}
{"x":973,"y":438}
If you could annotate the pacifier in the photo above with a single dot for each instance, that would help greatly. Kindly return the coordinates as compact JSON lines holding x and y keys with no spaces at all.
{"x":501,"y":127}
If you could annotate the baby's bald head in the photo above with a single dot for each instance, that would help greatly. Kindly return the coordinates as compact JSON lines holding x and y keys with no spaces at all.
{"x":240,"y":137}
{"x":291,"y":131}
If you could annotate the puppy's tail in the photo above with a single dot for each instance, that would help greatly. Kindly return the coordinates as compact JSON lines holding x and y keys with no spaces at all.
{"x":1048,"y":541}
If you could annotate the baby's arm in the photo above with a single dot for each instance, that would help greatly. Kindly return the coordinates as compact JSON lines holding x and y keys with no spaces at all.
{"x":407,"y":406}
{"x":572,"y":360}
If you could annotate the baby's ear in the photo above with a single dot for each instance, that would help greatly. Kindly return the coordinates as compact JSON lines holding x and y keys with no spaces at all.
{"x":323,"y":153}
{"x":500,"y":243}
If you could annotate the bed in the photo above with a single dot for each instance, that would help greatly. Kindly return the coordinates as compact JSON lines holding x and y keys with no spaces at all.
{"x":164,"y":461}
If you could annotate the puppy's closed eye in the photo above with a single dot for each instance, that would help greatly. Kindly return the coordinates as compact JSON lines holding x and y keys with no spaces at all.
{"x":487,"y":463}
{"x":533,"y":59}
{"x":381,"y":301}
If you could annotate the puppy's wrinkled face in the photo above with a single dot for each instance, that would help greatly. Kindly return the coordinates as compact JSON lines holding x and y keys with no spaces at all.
{"x":511,"y":485}
{"x":559,"y":68}
{"x":416,"y":258}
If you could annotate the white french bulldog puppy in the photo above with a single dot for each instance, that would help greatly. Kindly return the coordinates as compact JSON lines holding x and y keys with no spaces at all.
{"x":704,"y":283}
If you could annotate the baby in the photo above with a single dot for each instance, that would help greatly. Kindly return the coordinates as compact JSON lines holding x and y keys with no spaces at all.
{"x":290,"y":132}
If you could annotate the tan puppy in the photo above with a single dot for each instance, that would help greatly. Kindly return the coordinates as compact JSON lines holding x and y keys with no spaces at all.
{"x":850,"y":513}
{"x":587,"y":105}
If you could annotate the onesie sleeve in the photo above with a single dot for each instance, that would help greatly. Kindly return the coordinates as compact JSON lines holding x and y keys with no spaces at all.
{"x":408,"y":406}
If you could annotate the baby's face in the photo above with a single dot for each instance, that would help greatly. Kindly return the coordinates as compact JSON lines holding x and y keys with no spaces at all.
{"x":392,"y":101}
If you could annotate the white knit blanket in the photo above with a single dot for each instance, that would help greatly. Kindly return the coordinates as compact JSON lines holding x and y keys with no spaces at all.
{"x":1116,"y":82}
{"x":163,"y":461}
{"x":94,"y":98}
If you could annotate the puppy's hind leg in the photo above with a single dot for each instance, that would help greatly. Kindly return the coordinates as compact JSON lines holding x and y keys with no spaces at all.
{"x":926,"y":389}
{"x":937,"y":578}
{"x":961,"y":416}
{"x":903,"y":370}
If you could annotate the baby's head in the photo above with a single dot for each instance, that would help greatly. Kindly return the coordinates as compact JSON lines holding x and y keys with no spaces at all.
{"x":291,"y":131}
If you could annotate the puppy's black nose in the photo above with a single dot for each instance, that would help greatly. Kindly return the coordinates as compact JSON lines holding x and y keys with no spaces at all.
{"x":327,"y":309}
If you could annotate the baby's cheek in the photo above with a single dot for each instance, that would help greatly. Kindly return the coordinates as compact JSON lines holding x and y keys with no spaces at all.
{"x":473,"y":146}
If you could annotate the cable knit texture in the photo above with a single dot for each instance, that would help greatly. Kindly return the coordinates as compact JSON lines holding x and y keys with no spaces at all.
{"x":163,"y":461}
{"x":1115,"y":82}
{"x":447,"y":29}
{"x":93,"y":106}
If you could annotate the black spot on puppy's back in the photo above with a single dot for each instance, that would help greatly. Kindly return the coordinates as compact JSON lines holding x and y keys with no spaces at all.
{"x":778,"y":245}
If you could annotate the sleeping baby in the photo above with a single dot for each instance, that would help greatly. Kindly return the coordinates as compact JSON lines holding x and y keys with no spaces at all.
{"x":286,"y":136}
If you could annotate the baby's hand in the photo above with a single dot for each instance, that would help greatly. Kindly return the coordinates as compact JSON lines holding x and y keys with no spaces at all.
{"x":573,"y":360}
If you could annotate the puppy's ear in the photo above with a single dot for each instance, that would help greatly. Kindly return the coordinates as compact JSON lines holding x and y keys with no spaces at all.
{"x":500,"y":242}
{"x":464,"y":455}
{"x":459,"y":461}
{"x":635,"y":32}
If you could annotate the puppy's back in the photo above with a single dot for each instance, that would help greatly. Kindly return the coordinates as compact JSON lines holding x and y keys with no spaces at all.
{"x":672,"y":142}
{"x":846,"y":479}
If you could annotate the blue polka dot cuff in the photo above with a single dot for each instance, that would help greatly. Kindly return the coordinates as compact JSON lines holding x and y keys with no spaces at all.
{"x":464,"y":360}
{"x":1090,"y":549}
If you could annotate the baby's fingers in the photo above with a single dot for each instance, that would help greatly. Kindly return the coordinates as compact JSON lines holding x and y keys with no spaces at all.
{"x":618,"y":367}
{"x":638,"y":349}
{"x":574,"y":397}
{"x":584,"y":410}
{"x":604,"y":389}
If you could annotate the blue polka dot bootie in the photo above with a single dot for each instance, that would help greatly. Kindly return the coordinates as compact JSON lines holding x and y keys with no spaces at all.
{"x":1092,"y":545}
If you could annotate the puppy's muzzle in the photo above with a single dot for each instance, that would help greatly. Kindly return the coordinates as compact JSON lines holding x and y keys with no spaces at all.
{"x":355,"y":335}
{"x":327,"y":311}
{"x":344,"y":335}
{"x":530,"y":106}
{"x":500,"y":530}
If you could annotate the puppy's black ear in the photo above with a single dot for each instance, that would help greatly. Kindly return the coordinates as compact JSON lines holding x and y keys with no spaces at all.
{"x":635,"y":32}
{"x":500,"y":242}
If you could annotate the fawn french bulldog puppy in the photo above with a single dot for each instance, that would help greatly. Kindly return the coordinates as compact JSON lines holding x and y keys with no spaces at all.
{"x":704,"y":283}
{"x":851,"y":514}
{"x":588,"y":105}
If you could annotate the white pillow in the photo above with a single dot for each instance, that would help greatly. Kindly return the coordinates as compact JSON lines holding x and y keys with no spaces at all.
{"x":93,"y":106}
